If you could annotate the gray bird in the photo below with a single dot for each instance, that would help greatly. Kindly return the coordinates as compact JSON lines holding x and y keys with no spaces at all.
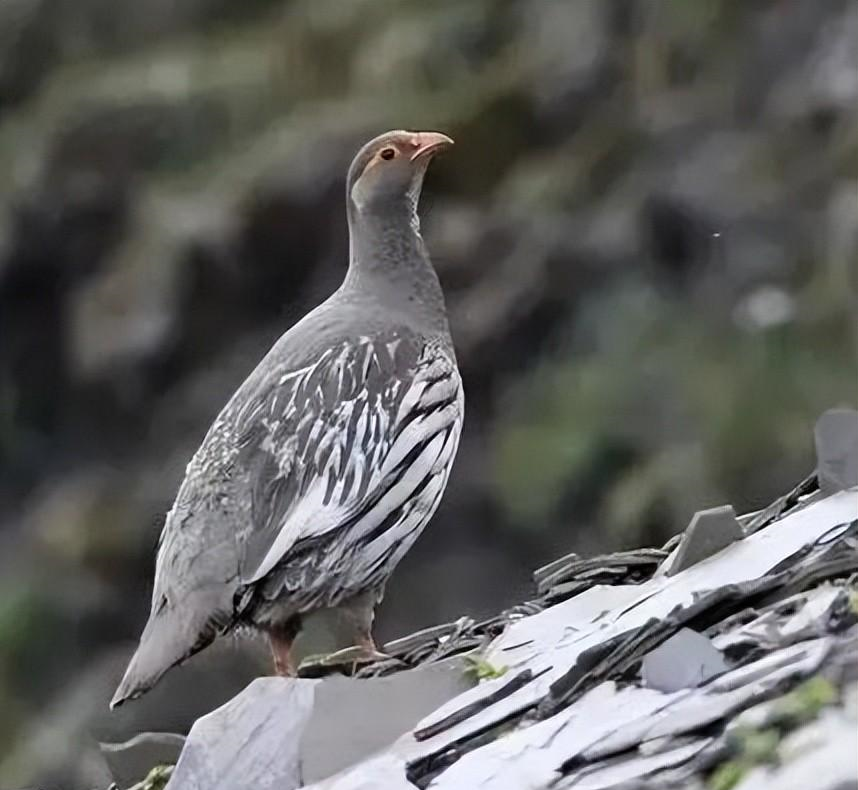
{"x":329,"y":460}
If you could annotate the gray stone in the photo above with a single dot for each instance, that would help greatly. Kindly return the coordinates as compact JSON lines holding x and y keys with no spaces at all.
{"x":686,"y":660}
{"x":352,"y":719}
{"x":252,"y":742}
{"x":131,"y":761}
{"x":709,"y":532}
{"x":618,"y":775}
{"x":386,"y":772}
{"x":836,"y":439}
{"x":309,"y":730}
{"x":604,"y":738}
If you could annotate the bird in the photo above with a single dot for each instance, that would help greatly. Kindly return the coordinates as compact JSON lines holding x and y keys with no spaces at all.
{"x":331,"y":457}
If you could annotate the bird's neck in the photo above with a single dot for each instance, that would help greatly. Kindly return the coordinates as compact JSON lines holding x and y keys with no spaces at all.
{"x":388,"y":258}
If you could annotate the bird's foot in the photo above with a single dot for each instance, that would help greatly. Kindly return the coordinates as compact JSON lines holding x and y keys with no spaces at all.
{"x":348,"y":661}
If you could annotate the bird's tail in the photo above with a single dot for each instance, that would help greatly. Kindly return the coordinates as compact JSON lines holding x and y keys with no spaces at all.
{"x":171,"y":636}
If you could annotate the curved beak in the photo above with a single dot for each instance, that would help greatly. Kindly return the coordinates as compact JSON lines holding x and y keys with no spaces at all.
{"x":429,"y":143}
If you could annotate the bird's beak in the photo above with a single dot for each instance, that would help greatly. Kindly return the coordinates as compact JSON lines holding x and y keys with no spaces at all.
{"x":429,"y":143}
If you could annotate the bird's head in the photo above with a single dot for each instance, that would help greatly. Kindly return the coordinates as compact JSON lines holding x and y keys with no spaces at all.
{"x":387,"y":173}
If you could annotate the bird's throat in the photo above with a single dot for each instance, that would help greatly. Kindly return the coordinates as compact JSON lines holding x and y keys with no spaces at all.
{"x":387,"y":254}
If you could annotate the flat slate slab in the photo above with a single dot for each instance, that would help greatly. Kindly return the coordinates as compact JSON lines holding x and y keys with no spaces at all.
{"x":353,"y":719}
{"x":251,"y":742}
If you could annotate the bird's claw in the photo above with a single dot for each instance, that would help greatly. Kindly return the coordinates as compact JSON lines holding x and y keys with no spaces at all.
{"x":349,"y":659}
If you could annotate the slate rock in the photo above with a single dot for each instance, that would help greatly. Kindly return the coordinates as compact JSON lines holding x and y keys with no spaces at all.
{"x":709,"y":532}
{"x":686,"y":660}
{"x":629,"y":772}
{"x":251,"y":743}
{"x":131,"y":761}
{"x":281,"y":733}
{"x":836,"y":439}
{"x":352,"y":718}
{"x":386,"y":772}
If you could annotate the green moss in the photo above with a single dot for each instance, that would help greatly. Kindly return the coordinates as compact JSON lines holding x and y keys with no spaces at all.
{"x":726,"y":776}
{"x":805,"y":702}
{"x":760,"y":746}
{"x":480,"y":669}
{"x":754,"y":747}
{"x":156,"y":779}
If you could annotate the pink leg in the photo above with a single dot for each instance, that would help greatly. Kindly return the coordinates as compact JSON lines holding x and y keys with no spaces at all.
{"x":357,"y":615}
{"x":281,"y":638}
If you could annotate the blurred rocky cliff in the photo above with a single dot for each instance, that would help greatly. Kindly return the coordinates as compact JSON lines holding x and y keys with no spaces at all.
{"x":647,"y":231}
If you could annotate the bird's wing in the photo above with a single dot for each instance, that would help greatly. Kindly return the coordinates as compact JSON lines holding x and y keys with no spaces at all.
{"x":343,"y":441}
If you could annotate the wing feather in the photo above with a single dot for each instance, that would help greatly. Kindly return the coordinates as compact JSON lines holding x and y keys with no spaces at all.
{"x":364,"y":427}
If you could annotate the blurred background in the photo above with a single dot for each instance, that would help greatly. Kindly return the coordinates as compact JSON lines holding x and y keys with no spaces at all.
{"x":647,"y":232}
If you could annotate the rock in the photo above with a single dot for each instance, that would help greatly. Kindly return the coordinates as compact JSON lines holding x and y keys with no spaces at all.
{"x":308,"y":730}
{"x":337,"y":735}
{"x":686,"y":660}
{"x":224,"y":747}
{"x":836,"y":439}
{"x":132,"y":761}
{"x":709,"y":532}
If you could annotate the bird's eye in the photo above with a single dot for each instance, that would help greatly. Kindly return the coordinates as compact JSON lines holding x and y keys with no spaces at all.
{"x":387,"y":153}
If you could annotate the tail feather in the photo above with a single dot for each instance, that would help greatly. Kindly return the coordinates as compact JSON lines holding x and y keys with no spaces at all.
{"x":171,"y":636}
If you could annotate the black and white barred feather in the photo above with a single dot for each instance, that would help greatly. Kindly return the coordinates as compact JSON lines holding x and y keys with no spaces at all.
{"x":346,"y":461}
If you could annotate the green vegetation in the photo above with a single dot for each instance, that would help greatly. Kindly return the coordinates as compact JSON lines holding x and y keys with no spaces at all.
{"x":156,"y":779}
{"x":754,"y":747}
{"x":667,"y":410}
{"x":480,"y":669}
{"x":805,"y":702}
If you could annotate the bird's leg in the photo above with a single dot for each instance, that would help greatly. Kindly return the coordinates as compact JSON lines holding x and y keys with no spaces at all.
{"x":281,"y":637}
{"x":281,"y":648}
{"x":353,"y":622}
{"x":358,"y":614}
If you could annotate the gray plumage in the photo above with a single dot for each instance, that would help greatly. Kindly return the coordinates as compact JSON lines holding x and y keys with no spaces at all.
{"x":329,"y":460}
